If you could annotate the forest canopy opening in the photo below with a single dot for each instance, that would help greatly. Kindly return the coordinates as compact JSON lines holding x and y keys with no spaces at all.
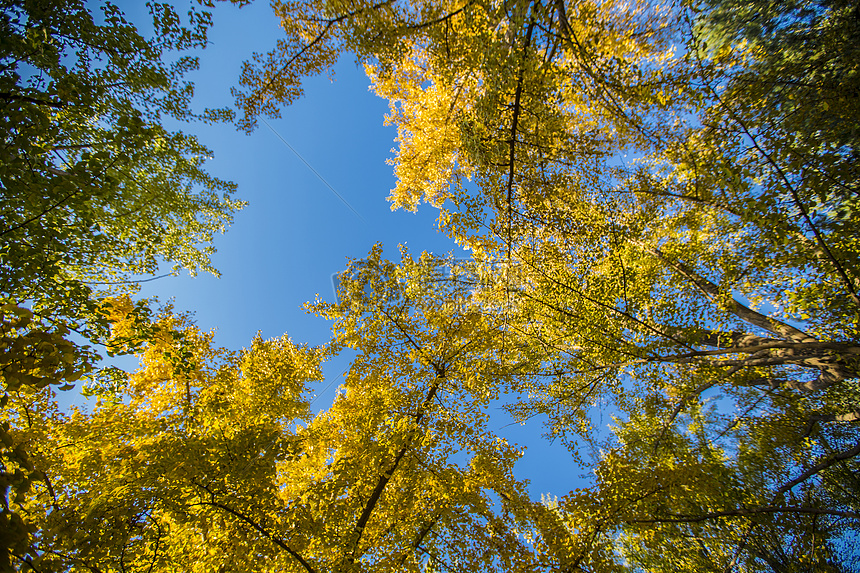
{"x":721,"y":263}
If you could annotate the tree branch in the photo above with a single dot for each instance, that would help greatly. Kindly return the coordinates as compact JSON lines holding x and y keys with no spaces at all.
{"x":386,"y":477}
{"x":514,"y":120}
{"x":817,"y":468}
{"x":10,"y":97}
{"x":712,"y":292}
{"x":840,"y":270}
{"x":259,"y":528}
{"x":746,"y":511}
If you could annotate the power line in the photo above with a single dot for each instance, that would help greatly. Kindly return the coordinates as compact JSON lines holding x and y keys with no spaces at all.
{"x":315,"y":172}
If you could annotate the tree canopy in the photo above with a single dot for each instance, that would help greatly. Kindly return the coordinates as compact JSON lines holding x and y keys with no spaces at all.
{"x":96,"y":192}
{"x":661,"y":204}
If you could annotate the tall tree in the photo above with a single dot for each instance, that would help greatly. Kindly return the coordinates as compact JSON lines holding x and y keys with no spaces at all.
{"x":664,"y":196}
{"x":212,"y":461}
{"x":94,"y":193}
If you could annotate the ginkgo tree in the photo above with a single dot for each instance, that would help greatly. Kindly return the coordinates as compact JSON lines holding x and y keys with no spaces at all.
{"x":664,"y":195}
{"x":96,"y":191}
{"x":211,"y":460}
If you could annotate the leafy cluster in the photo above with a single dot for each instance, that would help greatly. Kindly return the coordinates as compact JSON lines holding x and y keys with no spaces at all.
{"x":661,"y":198}
{"x":95,"y":193}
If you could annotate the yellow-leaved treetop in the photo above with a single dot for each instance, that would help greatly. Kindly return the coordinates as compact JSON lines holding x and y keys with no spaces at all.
{"x":663,"y":200}
{"x":95,"y":193}
{"x":212,"y":461}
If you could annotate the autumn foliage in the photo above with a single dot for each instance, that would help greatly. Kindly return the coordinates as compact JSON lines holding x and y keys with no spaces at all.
{"x":661,"y":203}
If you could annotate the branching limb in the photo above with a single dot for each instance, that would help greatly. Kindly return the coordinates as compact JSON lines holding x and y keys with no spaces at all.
{"x":255,"y":525}
{"x":712,"y":292}
{"x":10,"y":97}
{"x":674,"y":518}
{"x":819,"y":467}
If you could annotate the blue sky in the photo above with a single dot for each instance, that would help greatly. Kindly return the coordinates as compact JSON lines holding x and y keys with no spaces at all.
{"x":284,"y":246}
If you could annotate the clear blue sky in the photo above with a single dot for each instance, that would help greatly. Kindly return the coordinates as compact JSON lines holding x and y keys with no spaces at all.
{"x":284,"y":246}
